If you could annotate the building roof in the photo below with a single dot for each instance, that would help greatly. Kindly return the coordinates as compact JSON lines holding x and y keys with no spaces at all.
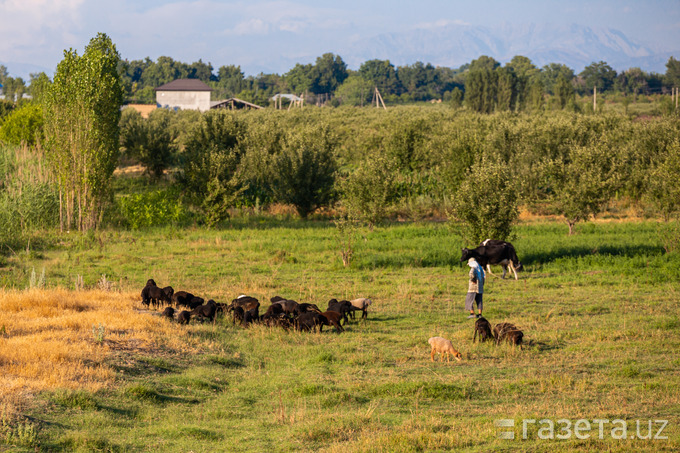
{"x":184,"y":85}
{"x":233,"y":103}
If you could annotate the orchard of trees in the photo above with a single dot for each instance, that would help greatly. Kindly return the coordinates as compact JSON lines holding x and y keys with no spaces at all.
{"x":478,"y":164}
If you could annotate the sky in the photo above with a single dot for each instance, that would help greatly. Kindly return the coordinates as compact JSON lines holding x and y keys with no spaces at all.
{"x":262,"y":35}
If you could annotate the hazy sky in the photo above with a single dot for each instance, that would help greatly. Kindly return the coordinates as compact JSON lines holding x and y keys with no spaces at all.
{"x":261,"y":34}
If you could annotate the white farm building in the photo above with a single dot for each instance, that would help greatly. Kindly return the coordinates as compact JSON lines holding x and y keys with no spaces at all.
{"x":185,"y":94}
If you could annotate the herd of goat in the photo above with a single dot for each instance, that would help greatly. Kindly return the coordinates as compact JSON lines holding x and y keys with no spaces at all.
{"x":282,"y":312}
{"x":288,"y":313}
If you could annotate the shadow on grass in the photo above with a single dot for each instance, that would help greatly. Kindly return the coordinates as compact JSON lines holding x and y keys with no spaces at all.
{"x":451,"y":259}
{"x":629,"y":251}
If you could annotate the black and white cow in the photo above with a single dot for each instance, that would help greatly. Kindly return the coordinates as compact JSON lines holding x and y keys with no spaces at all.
{"x":493,"y":251}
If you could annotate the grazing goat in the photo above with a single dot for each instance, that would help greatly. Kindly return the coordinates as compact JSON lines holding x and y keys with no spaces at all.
{"x":196,"y":302}
{"x":238,"y":314}
{"x":343,"y":307}
{"x":309,"y":321}
{"x":276,"y":320}
{"x":303,"y":308}
{"x":245,"y":302}
{"x":290,"y":307}
{"x":156,"y":295}
{"x":250,"y":317}
{"x":444,"y":347}
{"x":502,"y":331}
{"x":169,"y":291}
{"x":146,"y":300}
{"x":184,"y":317}
{"x":515,"y":337}
{"x":483,"y":328}
{"x":182,"y":298}
{"x":169,"y":313}
{"x":362,"y":304}
{"x":206,"y":311}
{"x":333,"y":318}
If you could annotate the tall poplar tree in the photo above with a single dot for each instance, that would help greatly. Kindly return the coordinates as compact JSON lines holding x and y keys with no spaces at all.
{"x":82,"y":110}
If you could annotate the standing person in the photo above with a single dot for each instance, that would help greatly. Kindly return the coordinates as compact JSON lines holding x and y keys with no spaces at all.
{"x":475,"y":288}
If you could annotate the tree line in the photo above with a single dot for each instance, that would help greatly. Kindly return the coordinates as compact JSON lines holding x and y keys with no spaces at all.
{"x":484,"y":83}
{"x":367,"y":165}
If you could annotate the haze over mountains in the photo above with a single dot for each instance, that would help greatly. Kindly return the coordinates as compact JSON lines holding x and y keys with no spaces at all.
{"x":449,"y":44}
{"x":453,"y":45}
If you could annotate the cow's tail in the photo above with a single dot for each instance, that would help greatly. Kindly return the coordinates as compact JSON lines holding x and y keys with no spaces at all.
{"x":515,"y":260}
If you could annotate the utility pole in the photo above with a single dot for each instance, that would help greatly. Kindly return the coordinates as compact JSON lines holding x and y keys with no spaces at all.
{"x":595,"y":98}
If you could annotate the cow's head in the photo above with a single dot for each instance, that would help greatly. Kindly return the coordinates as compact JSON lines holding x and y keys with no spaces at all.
{"x":466,"y":255}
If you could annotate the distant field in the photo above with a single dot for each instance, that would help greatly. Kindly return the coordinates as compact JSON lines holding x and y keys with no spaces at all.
{"x":599,"y":311}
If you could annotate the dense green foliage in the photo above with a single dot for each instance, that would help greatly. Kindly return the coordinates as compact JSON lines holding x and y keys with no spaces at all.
{"x":82,"y":111}
{"x":151,"y":142}
{"x":23,"y":125}
{"x":414,"y":161}
{"x":487,"y":202}
{"x":28,"y":200}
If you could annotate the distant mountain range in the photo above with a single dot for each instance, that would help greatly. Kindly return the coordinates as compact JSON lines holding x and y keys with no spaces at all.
{"x":453,"y":45}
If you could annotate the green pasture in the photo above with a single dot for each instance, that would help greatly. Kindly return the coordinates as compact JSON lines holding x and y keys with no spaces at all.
{"x":599,"y":311}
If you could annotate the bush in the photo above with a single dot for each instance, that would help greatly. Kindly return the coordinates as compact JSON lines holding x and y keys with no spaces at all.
{"x":305,"y":170}
{"x":23,"y":125}
{"x":212,"y":158}
{"x":157,"y":208}
{"x":369,"y":190}
{"x":486,"y":203}
{"x":151,"y":141}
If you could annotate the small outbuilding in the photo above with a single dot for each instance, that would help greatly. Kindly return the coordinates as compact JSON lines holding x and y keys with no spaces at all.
{"x":233,"y":104}
{"x":185,"y":94}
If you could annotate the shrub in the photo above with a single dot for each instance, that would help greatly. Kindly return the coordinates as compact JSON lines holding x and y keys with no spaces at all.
{"x":212,"y":157}
{"x":23,"y":125}
{"x":486,"y":202}
{"x":157,"y":208}
{"x":305,"y":169}
{"x":369,"y":190}
{"x":151,"y":141}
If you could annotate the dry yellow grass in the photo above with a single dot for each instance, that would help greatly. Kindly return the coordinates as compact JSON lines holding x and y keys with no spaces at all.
{"x":50,"y":338}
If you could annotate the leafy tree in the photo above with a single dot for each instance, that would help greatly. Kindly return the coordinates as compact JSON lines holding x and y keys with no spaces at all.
{"x":38,"y":86}
{"x":633,"y":80}
{"x":230,"y":81}
{"x":355,"y":90}
{"x":486,"y":202}
{"x":484,"y":62}
{"x":526,"y":75}
{"x":82,"y":111}
{"x":382,"y":74}
{"x":300,"y":79}
{"x":368,"y":191}
{"x":148,"y":140}
{"x":564,"y":91}
{"x":305,"y":170}
{"x":418,"y":80}
{"x":481,"y":87}
{"x":552,"y":73}
{"x":506,"y":94}
{"x":329,"y":72}
{"x":672,"y":72}
{"x":210,"y":165}
{"x":599,"y":75}
{"x":663,"y":182}
{"x":584,"y":180}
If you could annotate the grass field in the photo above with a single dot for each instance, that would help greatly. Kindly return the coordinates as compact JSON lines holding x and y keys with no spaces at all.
{"x":599,"y":311}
